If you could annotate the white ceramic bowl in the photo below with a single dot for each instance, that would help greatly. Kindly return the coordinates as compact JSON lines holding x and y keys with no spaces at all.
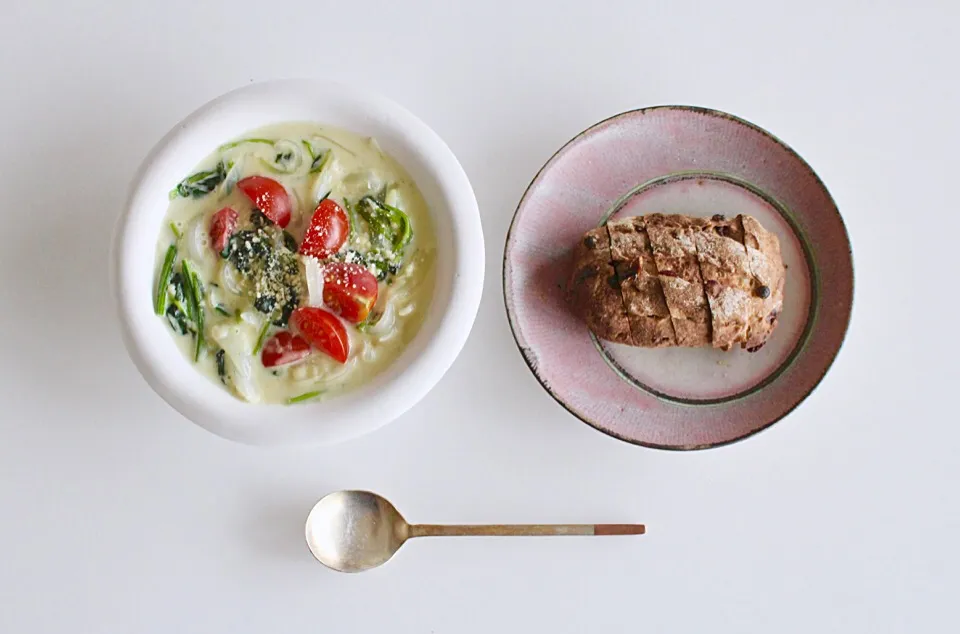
{"x":459,"y":281}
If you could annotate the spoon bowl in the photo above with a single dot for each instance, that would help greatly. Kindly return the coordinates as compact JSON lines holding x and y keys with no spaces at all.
{"x":351,"y":531}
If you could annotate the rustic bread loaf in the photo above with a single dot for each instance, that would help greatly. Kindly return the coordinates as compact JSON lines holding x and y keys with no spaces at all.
{"x":668,"y":280}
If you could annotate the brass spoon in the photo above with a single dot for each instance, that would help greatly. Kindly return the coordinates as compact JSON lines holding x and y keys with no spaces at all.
{"x":352,"y":531}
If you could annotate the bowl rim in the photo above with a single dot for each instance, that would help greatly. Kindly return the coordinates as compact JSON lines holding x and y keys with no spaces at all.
{"x":424,"y":360}
{"x":709,"y":112}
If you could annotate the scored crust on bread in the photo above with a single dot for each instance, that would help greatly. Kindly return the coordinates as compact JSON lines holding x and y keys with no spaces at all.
{"x":594,"y":290}
{"x":766,"y":267}
{"x":727,"y":281}
{"x":659,"y":281}
{"x":675,"y":255}
{"x":643,"y":299}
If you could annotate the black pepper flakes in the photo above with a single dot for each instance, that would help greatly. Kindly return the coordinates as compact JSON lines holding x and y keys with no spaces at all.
{"x":763,"y":292}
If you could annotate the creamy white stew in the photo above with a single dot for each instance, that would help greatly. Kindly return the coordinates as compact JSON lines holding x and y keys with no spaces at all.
{"x":294,"y":263}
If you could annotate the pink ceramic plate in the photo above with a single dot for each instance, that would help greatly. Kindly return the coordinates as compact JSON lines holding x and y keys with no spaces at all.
{"x":699,"y":162}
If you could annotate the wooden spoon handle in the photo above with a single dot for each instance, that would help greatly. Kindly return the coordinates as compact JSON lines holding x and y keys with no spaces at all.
{"x":524,"y":530}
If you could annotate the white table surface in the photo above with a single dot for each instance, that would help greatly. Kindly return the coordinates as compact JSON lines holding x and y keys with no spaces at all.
{"x":118,"y":515}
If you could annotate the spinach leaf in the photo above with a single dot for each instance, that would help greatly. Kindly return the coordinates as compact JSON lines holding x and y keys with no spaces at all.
{"x":200,"y":184}
{"x":389,"y":226}
{"x":222,"y":365}
{"x":160,"y":299}
{"x":177,"y":319}
{"x":287,"y":309}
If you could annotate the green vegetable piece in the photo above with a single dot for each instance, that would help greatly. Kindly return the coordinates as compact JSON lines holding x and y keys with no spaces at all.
{"x":176,"y":232}
{"x":177,"y":302}
{"x":233,"y":144}
{"x":223,"y":311}
{"x":320,"y":162}
{"x":371,"y":321}
{"x":193,"y":290}
{"x":160,"y":300}
{"x":388,"y":225}
{"x":403,"y":230}
{"x":198,"y":290}
{"x":230,"y":181}
{"x":200,"y":184}
{"x":352,"y":217}
{"x":187,"y":281}
{"x":371,"y":213}
{"x":290,"y":242}
{"x":262,"y":335}
{"x":177,"y":319}
{"x":286,"y":160}
{"x":304,"y":397}
{"x":222,"y":366}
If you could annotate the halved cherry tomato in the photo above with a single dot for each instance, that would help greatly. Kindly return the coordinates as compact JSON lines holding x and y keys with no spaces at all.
{"x":349,"y":290}
{"x":269,"y":196}
{"x":222,"y":226}
{"x":327,"y":232}
{"x":323,"y":330}
{"x":283,"y":348}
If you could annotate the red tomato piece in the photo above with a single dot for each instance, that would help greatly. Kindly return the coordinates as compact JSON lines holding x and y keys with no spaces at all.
{"x":349,"y":290}
{"x":222,"y":226}
{"x":328,"y":230}
{"x":323,"y":330}
{"x":269,"y":196}
{"x":283,"y":348}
